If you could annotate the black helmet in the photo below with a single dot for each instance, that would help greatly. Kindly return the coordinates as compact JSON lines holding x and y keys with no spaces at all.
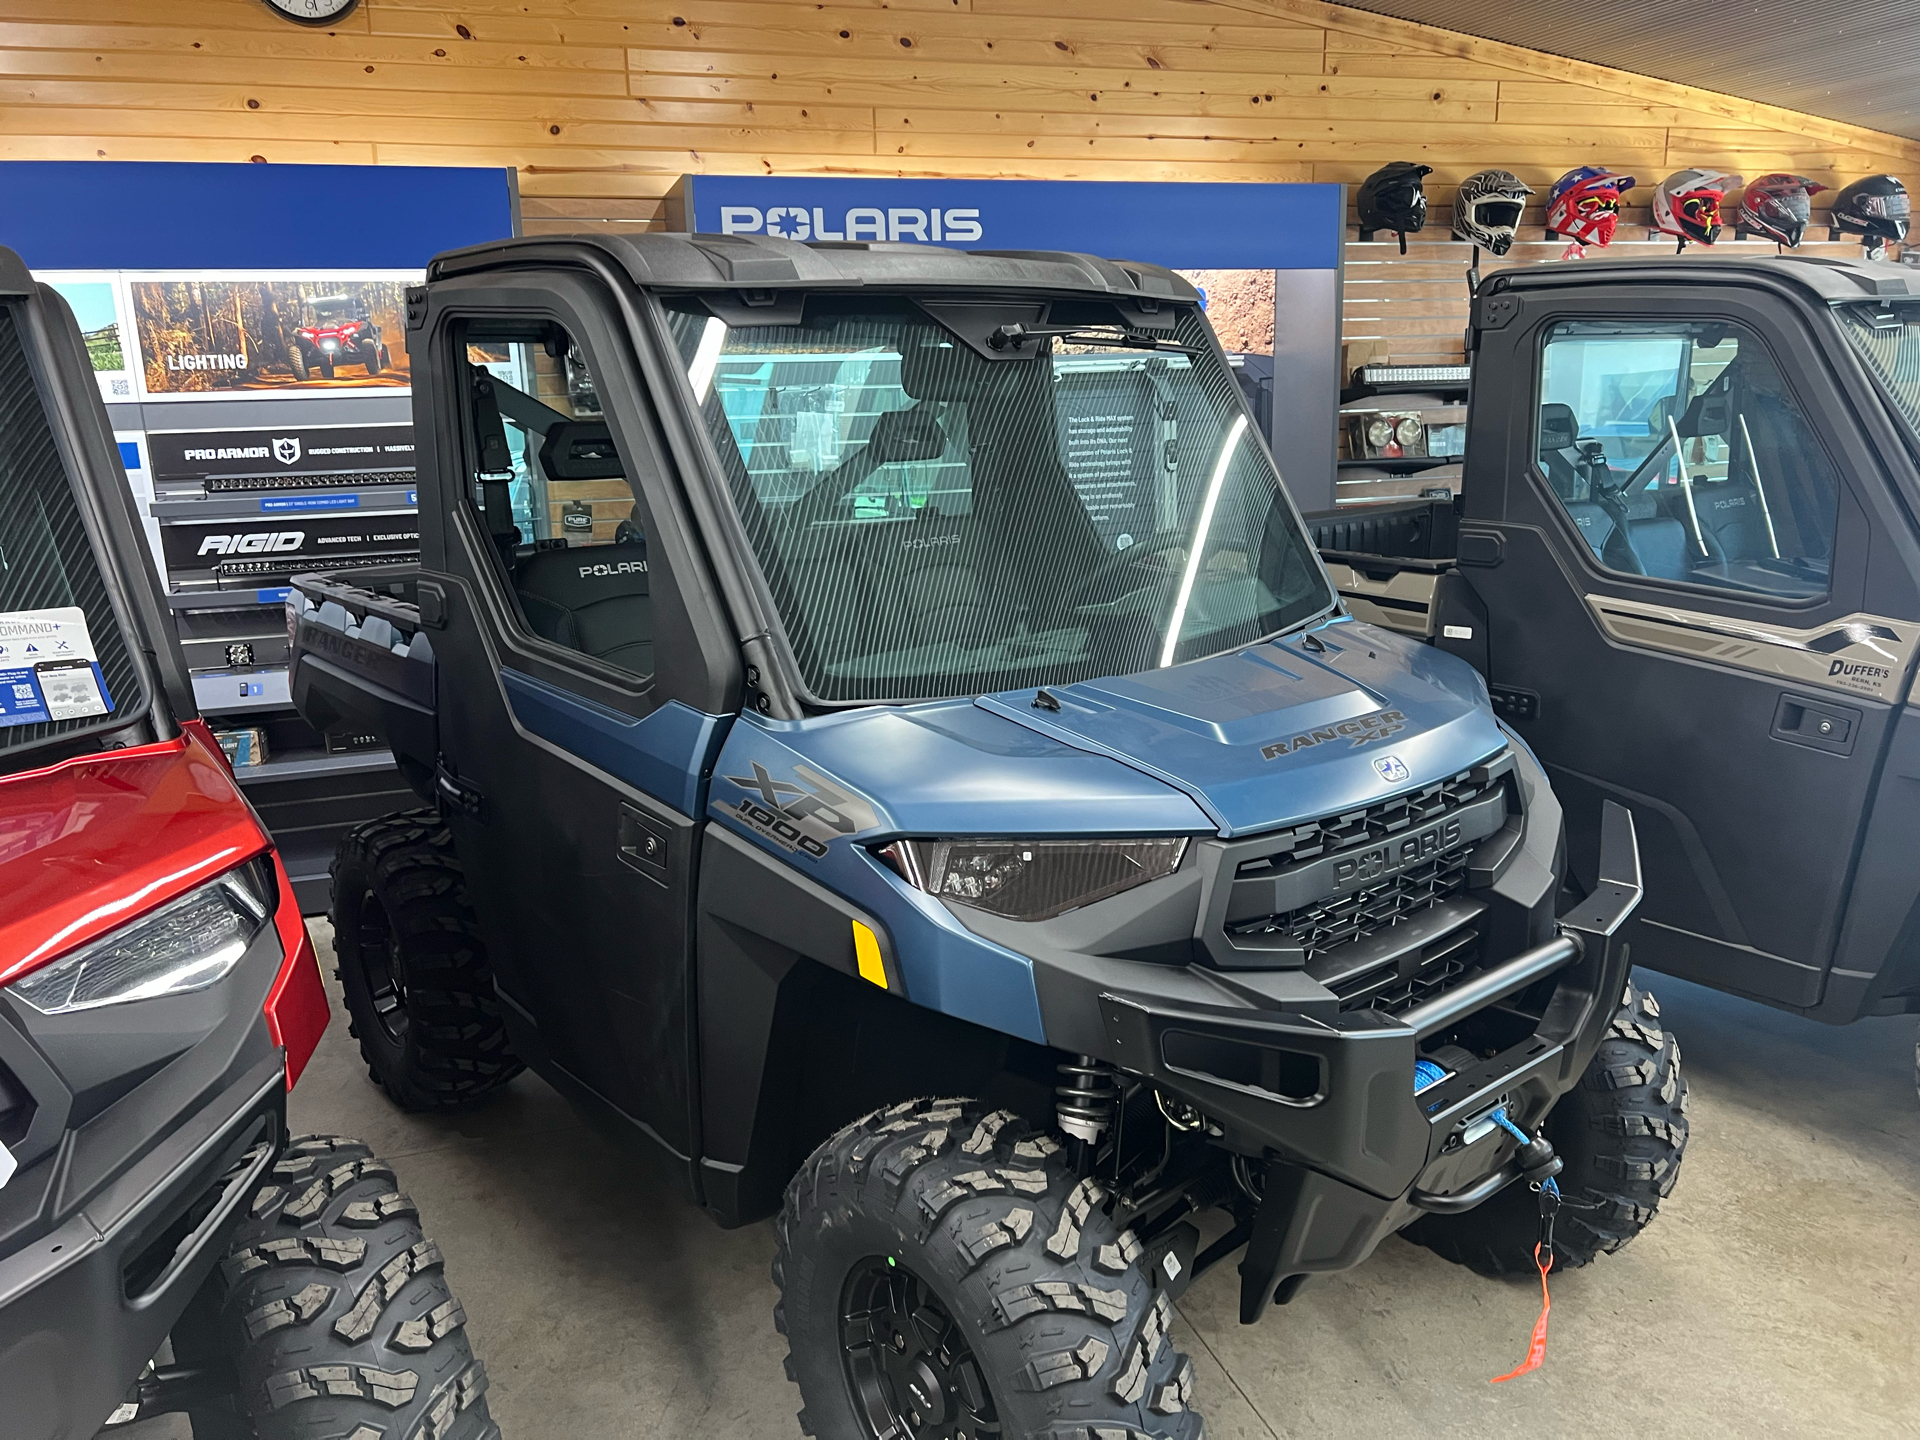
{"x":1875,"y":209}
{"x":1391,"y":199}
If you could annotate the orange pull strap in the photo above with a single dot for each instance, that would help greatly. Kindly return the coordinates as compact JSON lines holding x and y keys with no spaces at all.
{"x":1537,"y":1351}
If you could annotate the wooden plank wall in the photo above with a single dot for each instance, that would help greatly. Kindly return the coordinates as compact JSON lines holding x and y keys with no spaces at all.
{"x":602,"y":104}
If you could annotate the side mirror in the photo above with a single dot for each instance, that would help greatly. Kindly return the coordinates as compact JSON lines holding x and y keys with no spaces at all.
{"x":906,"y":435}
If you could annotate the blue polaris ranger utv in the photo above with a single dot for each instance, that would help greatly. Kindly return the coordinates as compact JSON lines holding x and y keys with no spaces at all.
{"x":886,"y":740}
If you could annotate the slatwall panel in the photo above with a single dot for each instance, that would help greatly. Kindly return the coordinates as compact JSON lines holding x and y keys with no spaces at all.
{"x":1417,"y":304}
{"x":602,"y":104}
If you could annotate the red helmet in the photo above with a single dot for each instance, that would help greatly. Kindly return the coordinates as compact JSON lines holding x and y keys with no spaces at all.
{"x":1584,"y":205}
{"x":1686,"y":204}
{"x":1777,"y":208}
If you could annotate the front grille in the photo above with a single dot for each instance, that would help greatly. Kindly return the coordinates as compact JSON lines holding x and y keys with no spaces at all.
{"x":1386,"y":989}
{"x":309,"y":481}
{"x":1338,"y":920}
{"x":1379,"y":821}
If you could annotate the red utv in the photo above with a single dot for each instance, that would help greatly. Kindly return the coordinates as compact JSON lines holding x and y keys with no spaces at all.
{"x":159,"y":995}
{"x":339,"y":329}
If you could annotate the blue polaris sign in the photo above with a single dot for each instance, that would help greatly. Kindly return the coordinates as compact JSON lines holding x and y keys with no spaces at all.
{"x":1204,"y":226}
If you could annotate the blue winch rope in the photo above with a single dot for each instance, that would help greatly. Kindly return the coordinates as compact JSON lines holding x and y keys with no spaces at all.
{"x":1427,"y":1074}
{"x":1505,"y":1122}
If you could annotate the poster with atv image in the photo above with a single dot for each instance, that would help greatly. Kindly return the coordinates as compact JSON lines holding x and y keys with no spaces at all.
{"x":274,"y":336}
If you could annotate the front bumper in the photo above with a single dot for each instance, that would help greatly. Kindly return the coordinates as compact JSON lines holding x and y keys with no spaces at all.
{"x":127,"y":1197}
{"x":1353,"y":1153}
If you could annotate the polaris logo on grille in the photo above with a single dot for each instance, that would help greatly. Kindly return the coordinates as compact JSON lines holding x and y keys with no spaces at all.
{"x":1392,"y":770}
{"x":1362,"y":730}
{"x":1388,"y":859}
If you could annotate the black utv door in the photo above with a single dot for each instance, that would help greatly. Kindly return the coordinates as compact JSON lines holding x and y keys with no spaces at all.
{"x":1675,"y":537}
{"x":577,"y":693}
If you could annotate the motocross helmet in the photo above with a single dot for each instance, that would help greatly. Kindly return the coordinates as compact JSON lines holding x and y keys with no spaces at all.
{"x":1584,"y":204}
{"x":1391,"y":199}
{"x":1487,"y":208}
{"x":1777,"y":207}
{"x":1686,"y":204}
{"x":1875,"y":209}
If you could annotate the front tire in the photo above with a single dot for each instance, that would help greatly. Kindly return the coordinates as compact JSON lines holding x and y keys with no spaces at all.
{"x":297,"y":362}
{"x":413,"y":968}
{"x":337,"y":1310}
{"x":1622,"y":1132}
{"x":944,"y":1274}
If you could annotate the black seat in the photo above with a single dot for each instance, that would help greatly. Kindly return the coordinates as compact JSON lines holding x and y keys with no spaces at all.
{"x":1596,"y":525}
{"x":591,"y":598}
{"x":1660,"y":544}
{"x":1558,"y":430}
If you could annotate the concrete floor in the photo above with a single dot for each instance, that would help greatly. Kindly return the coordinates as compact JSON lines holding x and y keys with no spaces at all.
{"x":1778,"y":1293}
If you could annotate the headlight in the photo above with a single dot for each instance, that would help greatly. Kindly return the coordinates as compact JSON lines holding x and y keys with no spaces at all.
{"x":1031,"y":879}
{"x":187,"y":944}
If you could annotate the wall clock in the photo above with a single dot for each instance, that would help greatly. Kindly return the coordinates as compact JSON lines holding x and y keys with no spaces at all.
{"x":312,"y":12}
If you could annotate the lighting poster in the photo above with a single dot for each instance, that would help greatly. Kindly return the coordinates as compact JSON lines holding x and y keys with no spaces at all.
{"x":185,"y":336}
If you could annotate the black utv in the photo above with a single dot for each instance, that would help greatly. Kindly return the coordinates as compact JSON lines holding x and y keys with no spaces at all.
{"x":901,"y":757}
{"x":1686,"y":558}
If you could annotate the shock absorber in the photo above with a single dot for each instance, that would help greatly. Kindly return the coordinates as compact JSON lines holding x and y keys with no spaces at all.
{"x":1085,"y":1104}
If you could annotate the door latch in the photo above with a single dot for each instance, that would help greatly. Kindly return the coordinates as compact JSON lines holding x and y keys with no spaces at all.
{"x":458,"y":794}
{"x":1816,"y":724}
{"x":643,"y":845}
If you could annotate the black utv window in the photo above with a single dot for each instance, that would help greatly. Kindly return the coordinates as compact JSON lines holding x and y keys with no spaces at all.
{"x":934,"y":521}
{"x":1889,"y":341}
{"x":64,"y":665}
{"x":1678,"y":450}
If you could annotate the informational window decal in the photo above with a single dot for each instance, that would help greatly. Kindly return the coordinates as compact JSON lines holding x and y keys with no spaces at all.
{"x":48,"y":670}
{"x":99,"y":305}
{"x":227,"y":335}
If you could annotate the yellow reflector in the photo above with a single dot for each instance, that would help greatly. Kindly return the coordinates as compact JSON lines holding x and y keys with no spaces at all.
{"x":866,"y":949}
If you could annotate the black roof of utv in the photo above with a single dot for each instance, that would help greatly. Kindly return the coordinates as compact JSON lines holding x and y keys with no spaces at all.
{"x":736,"y":262}
{"x":1829,"y":281}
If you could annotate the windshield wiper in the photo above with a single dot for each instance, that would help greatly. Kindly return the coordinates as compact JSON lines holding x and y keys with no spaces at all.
{"x":1015,"y":337}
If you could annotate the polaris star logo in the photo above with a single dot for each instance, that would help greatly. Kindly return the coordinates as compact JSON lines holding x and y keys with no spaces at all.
{"x":286,"y":449}
{"x":795,"y":222}
{"x":1391,"y":770}
{"x":1362,"y":730}
{"x":258,"y":542}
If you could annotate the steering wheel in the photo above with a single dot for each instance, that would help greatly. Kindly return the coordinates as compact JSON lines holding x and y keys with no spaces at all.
{"x":1133,"y":557}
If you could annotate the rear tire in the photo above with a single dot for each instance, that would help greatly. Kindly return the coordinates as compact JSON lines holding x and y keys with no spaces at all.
{"x":338,"y":1310}
{"x":413,"y":968}
{"x":938,"y":1259}
{"x":1622,"y":1132}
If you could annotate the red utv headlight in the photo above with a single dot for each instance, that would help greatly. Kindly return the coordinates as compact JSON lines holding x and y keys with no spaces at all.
{"x":187,"y":944}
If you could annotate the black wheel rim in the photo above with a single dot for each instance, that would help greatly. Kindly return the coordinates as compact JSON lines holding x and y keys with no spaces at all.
{"x":909,"y":1366}
{"x":385,"y":969}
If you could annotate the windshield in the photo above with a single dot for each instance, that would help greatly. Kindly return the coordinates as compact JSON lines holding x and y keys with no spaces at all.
{"x":1890,"y":344}
{"x":64,"y":665}
{"x":933,"y":522}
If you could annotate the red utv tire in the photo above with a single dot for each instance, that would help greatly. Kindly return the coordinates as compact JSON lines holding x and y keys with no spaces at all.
{"x":336,"y":1312}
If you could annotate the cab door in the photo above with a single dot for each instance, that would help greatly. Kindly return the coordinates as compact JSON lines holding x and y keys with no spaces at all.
{"x":581,"y":696}
{"x":1700,"y":605}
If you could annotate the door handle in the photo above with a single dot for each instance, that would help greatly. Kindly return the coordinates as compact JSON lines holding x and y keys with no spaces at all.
{"x":1816,"y":724}
{"x":642,"y":845}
